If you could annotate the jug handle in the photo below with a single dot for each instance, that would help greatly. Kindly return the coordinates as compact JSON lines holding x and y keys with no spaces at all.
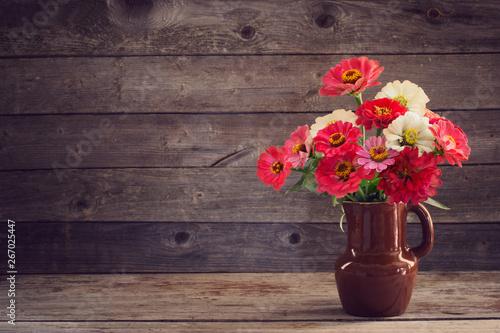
{"x":427,"y":242}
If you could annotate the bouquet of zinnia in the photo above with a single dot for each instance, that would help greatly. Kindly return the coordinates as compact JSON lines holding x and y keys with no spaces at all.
{"x":397,"y":164}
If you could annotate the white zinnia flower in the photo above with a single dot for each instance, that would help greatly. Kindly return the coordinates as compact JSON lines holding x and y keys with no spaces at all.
{"x":410,"y":130}
{"x":340,"y":114}
{"x":408,"y":94}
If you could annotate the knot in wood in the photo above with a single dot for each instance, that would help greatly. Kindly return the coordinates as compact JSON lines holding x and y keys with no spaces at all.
{"x":182,"y":237}
{"x":294,"y":238}
{"x":435,"y":14}
{"x":83,"y":205}
{"x":247,"y":32}
{"x":135,"y":8}
{"x":141,"y":15}
{"x":324,"y":21}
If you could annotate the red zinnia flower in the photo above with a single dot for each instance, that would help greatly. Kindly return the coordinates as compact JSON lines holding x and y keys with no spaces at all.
{"x":451,"y":142}
{"x":351,"y":77}
{"x":379,"y":113}
{"x":340,"y":175}
{"x":273,"y":167}
{"x":411,"y":177}
{"x":337,"y":138}
{"x":299,"y":146}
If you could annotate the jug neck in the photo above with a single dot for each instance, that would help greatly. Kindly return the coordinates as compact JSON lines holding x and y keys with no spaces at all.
{"x":375,"y":227}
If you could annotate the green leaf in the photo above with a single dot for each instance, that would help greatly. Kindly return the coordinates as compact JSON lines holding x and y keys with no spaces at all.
{"x":314,"y":163}
{"x":300,"y":184}
{"x":312,"y":186}
{"x":319,"y":155}
{"x":434,"y":203}
{"x":300,"y":170}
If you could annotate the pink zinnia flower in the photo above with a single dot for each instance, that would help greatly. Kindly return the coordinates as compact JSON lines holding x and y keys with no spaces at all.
{"x":411,"y":177}
{"x":379,"y":113}
{"x":375,"y":155}
{"x":451,"y":142}
{"x":273,"y":167}
{"x":351,"y":77}
{"x":337,"y":138}
{"x":341,"y":175}
{"x":299,"y":146}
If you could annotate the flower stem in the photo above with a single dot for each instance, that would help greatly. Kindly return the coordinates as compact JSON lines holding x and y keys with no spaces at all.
{"x":358,"y":98}
{"x":351,"y":197}
{"x":362,"y":128}
{"x":379,"y":131}
{"x":359,"y":101}
{"x":362,"y":194}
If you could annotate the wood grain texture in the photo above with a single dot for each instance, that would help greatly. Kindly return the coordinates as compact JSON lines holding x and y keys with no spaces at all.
{"x":387,"y":326}
{"x":229,"y":84}
{"x":68,"y":248}
{"x":238,"y":297}
{"x":210,"y":195}
{"x":129,"y":134}
{"x":187,"y":140}
{"x":119,"y":27}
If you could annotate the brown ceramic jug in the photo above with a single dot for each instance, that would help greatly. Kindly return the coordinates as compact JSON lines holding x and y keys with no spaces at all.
{"x":376,"y":274}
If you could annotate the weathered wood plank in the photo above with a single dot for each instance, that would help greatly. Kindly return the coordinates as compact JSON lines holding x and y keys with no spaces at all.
{"x":120,"y":27}
{"x":386,"y":326}
{"x":197,"y":84}
{"x":210,"y":195}
{"x":187,"y":140}
{"x":237,"y":297}
{"x":49,"y":248}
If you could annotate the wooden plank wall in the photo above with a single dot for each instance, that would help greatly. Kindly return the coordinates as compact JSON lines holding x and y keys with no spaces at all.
{"x":130,"y":130}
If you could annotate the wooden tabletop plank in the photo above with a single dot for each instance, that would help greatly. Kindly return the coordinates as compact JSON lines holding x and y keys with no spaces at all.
{"x":229,"y":247}
{"x":238,"y":297}
{"x":387,"y":326}
{"x":114,"y":27}
{"x":215,"y":84}
{"x":210,"y":195}
{"x":181,"y":140}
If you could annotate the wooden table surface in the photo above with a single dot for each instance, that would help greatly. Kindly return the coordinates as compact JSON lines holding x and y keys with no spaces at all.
{"x":246,"y":302}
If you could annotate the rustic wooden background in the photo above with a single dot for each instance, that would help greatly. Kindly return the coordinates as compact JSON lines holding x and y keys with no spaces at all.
{"x":130,"y":130}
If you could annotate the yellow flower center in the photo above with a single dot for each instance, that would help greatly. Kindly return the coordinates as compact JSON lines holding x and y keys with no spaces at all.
{"x":410,"y":137}
{"x":337,"y":139}
{"x":343,"y":170}
{"x":276,"y":167}
{"x":298,"y":147}
{"x":401,"y":99}
{"x":330,"y":122}
{"x":451,"y":138}
{"x":351,"y":76}
{"x":404,"y":173}
{"x":378,"y":154}
{"x":382,"y":111}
